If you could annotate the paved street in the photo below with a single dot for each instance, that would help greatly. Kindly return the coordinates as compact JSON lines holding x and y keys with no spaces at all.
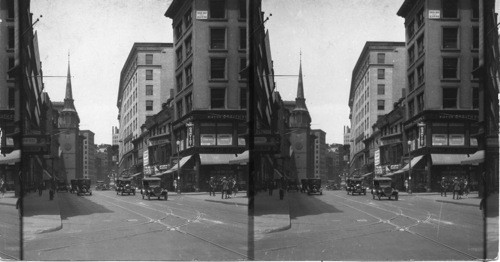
{"x":106,"y":226}
{"x":337,"y":226}
{"x":9,"y":228}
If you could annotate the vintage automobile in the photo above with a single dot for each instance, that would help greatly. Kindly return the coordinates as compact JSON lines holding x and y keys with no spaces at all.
{"x":84,"y":186}
{"x":101,"y":185}
{"x":124,"y":186}
{"x":152,"y":187}
{"x":355,"y":185}
{"x":62,"y":186}
{"x":74,"y":186}
{"x":384,"y":187}
{"x":313,"y":186}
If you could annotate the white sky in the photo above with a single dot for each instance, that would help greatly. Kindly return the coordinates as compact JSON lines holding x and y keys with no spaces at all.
{"x":100,"y":33}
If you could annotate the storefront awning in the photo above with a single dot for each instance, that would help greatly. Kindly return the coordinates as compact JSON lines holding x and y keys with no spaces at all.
{"x":474,"y":159}
{"x":414,"y":161}
{"x":216,"y":159}
{"x":183,"y":161}
{"x":46,"y":175}
{"x":240,"y":159}
{"x":11,"y":158}
{"x":447,"y":159}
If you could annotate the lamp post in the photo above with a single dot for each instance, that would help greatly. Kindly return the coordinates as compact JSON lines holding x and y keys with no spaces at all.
{"x":178,"y":168}
{"x":409,"y":167}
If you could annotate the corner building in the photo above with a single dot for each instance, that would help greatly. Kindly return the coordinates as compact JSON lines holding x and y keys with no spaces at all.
{"x":210,"y":96}
{"x":442,"y":40}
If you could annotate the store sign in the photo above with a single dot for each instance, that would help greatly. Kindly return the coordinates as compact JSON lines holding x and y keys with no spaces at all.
{"x":201,"y":14}
{"x":207,"y":140}
{"x":190,"y":139}
{"x":379,"y":170}
{"x":377,"y":157}
{"x":439,"y":140}
{"x":148,"y":170}
{"x":434,"y":14}
{"x":421,"y":135}
{"x":224,"y":139}
{"x":145,"y":157}
{"x":457,"y":140}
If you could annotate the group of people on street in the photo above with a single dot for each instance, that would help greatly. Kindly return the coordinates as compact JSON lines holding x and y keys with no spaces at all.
{"x":3,"y":186}
{"x":228,"y":187}
{"x":459,"y":187}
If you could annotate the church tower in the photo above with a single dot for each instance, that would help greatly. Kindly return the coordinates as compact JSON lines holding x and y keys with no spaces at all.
{"x":300,"y":123}
{"x":69,"y":134}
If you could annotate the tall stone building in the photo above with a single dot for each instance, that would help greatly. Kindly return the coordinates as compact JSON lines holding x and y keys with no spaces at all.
{"x":300,"y":137}
{"x":69,"y":134}
{"x":320,"y":154}
{"x":89,"y":155}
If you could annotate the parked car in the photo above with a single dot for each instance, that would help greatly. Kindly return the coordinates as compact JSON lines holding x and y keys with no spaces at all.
{"x":84,"y":186}
{"x":74,"y":186}
{"x":62,"y":186}
{"x":124,"y":186}
{"x":355,"y":185}
{"x":152,"y":187}
{"x":384,"y":187}
{"x":313,"y":186}
{"x":101,"y":186}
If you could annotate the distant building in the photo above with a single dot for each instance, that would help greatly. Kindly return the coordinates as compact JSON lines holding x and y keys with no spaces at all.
{"x":115,"y":134}
{"x":377,"y":82}
{"x":320,"y":154}
{"x":145,"y":82}
{"x":347,"y":135}
{"x":89,"y":155}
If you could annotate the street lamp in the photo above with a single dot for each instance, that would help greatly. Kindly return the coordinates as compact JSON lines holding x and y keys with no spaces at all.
{"x":178,"y":168}
{"x":409,"y":167}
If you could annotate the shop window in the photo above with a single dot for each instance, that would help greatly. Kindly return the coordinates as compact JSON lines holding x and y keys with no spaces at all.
{"x":439,"y":134}
{"x":242,"y":130}
{"x":456,"y":134}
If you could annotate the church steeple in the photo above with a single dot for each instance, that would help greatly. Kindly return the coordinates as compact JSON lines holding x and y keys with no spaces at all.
{"x":68,"y":99}
{"x":300,"y":115}
{"x":68,"y":117}
{"x":300,"y":100}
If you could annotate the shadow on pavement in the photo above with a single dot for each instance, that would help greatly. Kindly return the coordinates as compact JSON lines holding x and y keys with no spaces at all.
{"x":81,"y":207}
{"x":226,"y":202}
{"x":304,"y":205}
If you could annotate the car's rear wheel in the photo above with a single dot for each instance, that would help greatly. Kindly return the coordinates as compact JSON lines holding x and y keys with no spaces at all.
{"x":149,"y":197}
{"x":396,"y":197}
{"x":389,"y":197}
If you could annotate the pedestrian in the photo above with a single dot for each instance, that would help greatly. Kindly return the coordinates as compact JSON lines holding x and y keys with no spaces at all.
{"x":443,"y":186}
{"x":235,"y":187}
{"x":282,"y":188}
{"x":212,"y":185}
{"x":175,"y":185}
{"x":456,"y":188}
{"x":40,"y":188}
{"x":406,"y":185}
{"x":466,"y":187}
{"x":2,"y":186}
{"x":225,"y":187}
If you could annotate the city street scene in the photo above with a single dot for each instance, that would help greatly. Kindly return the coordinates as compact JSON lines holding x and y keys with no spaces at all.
{"x":249,"y":130}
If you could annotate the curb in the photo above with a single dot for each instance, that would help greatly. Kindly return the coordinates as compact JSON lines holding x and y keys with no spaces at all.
{"x":279,"y":229}
{"x":457,"y":203}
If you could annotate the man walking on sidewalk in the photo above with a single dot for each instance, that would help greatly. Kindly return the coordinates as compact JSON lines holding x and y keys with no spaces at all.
{"x":211,"y":184}
{"x":443,"y":186}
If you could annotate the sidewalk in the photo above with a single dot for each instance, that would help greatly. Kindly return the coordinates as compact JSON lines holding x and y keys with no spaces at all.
{"x":41,"y":214}
{"x":472,"y":199}
{"x":270,"y":213}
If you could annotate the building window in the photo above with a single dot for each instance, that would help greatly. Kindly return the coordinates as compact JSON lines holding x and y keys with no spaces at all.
{"x":380,"y":104}
{"x":11,"y":37}
{"x":178,"y":55}
{"x":179,"y":109}
{"x":381,"y":73}
{"x":243,"y":98}
{"x":420,"y":102}
{"x":217,"y":8}
{"x":420,"y":45}
{"x":217,"y":68}
{"x":12,"y":98}
{"x":217,"y":38}
{"x":381,"y":58}
{"x":149,"y":90}
{"x":243,"y":9}
{"x":450,"y":97}
{"x":420,"y":17}
{"x":178,"y":31}
{"x":410,"y":29}
{"x":189,"y":103}
{"x":243,"y":65}
{"x":380,"y":89}
{"x":411,"y":54}
{"x":243,"y":38}
{"x":179,"y":82}
{"x":420,"y":74}
{"x":450,"y":66}
{"x":475,"y":37}
{"x":149,"y":59}
{"x":217,"y":97}
{"x":188,"y":45}
{"x":450,"y":37}
{"x":475,"y":98}
{"x":475,"y":9}
{"x":411,"y":82}
{"x":189,"y":74}
{"x":10,"y":8}
{"x":475,"y":65}
{"x":149,"y":105}
{"x":188,"y":20}
{"x":411,"y":108}
{"x":149,"y":74}
{"x":450,"y":8}
{"x":11,"y":62}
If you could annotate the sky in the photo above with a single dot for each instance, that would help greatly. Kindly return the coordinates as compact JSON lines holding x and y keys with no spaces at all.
{"x":100,"y":33}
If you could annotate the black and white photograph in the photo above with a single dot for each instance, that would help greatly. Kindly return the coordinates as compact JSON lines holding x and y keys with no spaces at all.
{"x":268,"y":130}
